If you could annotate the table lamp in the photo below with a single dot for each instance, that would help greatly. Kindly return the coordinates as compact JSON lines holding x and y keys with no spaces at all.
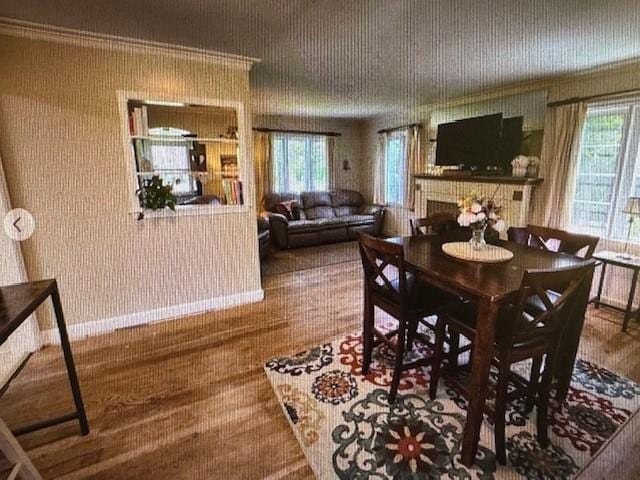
{"x":632,"y":208}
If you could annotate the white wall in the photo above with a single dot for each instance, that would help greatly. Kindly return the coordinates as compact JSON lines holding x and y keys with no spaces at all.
{"x":26,"y":338}
{"x":62,"y":144}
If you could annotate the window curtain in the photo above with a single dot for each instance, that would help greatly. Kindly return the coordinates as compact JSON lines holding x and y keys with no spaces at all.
{"x":562,"y":135}
{"x":331,"y":161}
{"x":378,"y":170}
{"x":264,"y":180}
{"x":414,"y":165}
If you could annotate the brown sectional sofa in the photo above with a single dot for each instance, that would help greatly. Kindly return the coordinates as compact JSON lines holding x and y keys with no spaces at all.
{"x":321,"y":217}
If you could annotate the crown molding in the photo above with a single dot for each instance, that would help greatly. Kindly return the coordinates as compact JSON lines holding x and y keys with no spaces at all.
{"x":38,"y":31}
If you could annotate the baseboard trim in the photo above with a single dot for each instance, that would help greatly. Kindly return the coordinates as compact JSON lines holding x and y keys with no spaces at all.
{"x":97,"y":327}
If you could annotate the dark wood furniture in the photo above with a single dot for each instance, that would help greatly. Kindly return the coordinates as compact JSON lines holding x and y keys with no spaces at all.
{"x":519,"y":337}
{"x":490,"y":286}
{"x":17,"y":303}
{"x":612,"y":258}
{"x":438,"y":223}
{"x":401,"y":297}
{"x":554,"y":240}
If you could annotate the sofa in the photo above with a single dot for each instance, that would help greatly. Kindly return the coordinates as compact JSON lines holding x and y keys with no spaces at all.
{"x":264,"y":237}
{"x":314,"y":218}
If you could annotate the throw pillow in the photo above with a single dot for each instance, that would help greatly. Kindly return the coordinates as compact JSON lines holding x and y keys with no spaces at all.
{"x":287,"y":209}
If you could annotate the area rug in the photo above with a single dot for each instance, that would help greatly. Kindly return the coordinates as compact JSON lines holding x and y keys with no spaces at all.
{"x":348,"y":430}
{"x":295,"y":259}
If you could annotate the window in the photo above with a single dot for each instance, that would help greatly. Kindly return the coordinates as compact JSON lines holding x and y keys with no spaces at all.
{"x":170,"y":159}
{"x":395,"y":168}
{"x":607,"y":172}
{"x":300,"y":163}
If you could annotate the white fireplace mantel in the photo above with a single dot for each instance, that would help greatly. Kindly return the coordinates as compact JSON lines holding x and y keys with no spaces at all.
{"x":514,"y":194}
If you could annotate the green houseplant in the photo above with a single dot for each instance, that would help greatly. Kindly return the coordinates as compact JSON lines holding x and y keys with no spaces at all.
{"x":155,"y":195}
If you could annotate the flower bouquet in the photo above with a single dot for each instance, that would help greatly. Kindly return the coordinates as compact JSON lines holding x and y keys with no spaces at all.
{"x":478,"y":212}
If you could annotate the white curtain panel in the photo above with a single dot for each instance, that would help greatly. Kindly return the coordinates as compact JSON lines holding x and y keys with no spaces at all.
{"x":562,"y":135}
{"x":331,"y":160}
{"x":263,"y":170}
{"x":414,"y":165}
{"x":378,"y":170}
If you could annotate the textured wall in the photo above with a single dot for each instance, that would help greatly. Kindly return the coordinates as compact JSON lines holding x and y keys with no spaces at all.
{"x":60,"y":135}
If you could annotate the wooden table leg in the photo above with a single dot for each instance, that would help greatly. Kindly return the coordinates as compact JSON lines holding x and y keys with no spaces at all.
{"x":482,"y":354}
{"x":628,"y":313}
{"x":69,"y":363}
{"x":571,"y":339}
{"x":600,"y":285}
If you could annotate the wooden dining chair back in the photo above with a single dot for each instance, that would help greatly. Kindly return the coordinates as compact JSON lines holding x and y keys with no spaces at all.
{"x":550,"y":290}
{"x":439,"y":223}
{"x":552,"y":239}
{"x":522,"y":336}
{"x":401,"y":297}
{"x":377,"y":255}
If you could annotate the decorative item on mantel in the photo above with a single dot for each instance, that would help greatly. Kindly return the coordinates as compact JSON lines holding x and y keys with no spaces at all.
{"x":519,"y":166}
{"x":632,"y":208}
{"x":523,"y":166}
{"x":155,"y":195}
{"x":478,"y":212}
{"x":533,"y":168}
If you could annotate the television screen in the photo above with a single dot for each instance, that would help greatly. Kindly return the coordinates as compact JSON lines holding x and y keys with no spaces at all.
{"x":510,"y":145}
{"x":472,"y":142}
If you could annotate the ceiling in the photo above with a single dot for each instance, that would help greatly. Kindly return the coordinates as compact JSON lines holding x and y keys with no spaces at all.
{"x":365,"y":57}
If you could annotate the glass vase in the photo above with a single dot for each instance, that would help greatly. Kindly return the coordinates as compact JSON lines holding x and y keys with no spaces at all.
{"x":477,"y":236}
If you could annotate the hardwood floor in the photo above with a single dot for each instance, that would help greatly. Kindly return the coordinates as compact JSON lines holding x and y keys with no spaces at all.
{"x":188,"y":399}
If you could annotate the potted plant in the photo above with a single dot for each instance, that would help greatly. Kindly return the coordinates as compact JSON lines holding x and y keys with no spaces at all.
{"x":478,"y":212}
{"x":155,"y":195}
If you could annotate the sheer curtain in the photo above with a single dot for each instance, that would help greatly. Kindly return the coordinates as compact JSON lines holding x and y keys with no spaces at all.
{"x":263,"y":173}
{"x":331,"y":162}
{"x":414,"y":164}
{"x":562,"y":134}
{"x":378,"y":169}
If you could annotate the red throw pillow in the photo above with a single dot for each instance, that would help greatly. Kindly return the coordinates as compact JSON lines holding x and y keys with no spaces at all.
{"x":286,"y":208}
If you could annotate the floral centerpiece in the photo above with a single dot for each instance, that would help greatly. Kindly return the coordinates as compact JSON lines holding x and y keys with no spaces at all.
{"x":478,"y":212}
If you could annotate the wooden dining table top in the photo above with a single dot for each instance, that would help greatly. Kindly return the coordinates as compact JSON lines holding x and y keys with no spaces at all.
{"x":491,"y":281}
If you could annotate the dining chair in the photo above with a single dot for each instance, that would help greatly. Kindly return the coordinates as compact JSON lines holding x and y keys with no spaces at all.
{"x":401,"y":296}
{"x":438,"y":223}
{"x":552,"y":239}
{"x":520,"y":336}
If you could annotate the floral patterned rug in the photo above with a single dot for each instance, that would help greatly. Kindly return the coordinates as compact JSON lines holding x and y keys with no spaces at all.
{"x":348,"y":430}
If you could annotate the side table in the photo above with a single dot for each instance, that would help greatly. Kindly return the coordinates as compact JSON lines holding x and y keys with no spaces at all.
{"x":612,"y":258}
{"x":17,"y":303}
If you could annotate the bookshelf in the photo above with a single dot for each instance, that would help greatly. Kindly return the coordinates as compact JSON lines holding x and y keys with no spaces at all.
{"x":196,"y":166}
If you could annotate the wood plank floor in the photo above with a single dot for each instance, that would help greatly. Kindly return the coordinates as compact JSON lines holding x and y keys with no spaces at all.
{"x":188,"y":399}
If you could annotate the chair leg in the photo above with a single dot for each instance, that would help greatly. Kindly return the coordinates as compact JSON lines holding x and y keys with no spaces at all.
{"x":454,"y":347}
{"x":543,"y":399}
{"x":534,"y":379}
{"x":367,"y":332}
{"x":437,"y":359}
{"x":399,"y":362}
{"x":500,"y":411}
{"x":411,"y":332}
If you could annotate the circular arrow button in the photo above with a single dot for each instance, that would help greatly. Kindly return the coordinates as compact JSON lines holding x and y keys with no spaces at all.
{"x":19,"y":224}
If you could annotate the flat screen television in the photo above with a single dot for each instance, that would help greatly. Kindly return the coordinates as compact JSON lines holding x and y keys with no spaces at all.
{"x":480,"y":143}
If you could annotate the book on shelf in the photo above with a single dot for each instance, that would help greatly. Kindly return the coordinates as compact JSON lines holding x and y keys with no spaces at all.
{"x":139,"y":122}
{"x":232,"y":192}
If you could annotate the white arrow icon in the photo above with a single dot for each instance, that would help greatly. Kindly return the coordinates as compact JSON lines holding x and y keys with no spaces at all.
{"x":19,"y":224}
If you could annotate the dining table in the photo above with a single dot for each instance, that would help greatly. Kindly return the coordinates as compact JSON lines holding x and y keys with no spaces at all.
{"x":490,"y":286}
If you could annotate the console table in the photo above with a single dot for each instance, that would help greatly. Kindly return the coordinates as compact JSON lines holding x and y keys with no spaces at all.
{"x":17,"y":303}
{"x":633,"y":263}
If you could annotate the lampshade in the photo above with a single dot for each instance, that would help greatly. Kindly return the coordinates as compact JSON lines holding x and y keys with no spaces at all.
{"x":633,"y":206}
